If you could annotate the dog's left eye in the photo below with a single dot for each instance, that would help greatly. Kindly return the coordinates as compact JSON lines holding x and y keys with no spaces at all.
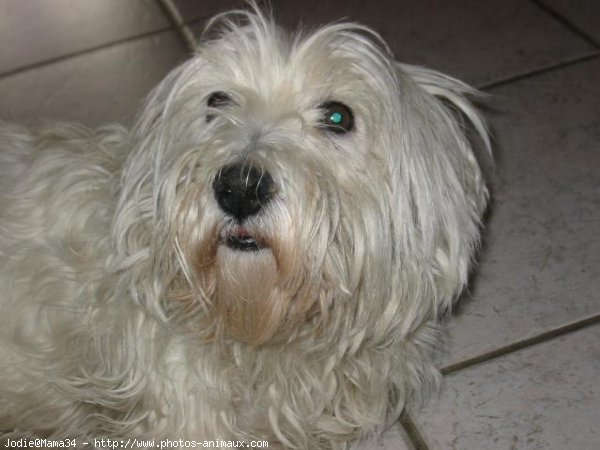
{"x":218,"y":100}
{"x":337,"y":117}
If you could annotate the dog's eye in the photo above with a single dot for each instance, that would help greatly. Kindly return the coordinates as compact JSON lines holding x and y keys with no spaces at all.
{"x":337,"y":117}
{"x":218,"y":100}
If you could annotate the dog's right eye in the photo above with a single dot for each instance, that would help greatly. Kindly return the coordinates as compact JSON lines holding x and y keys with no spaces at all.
{"x":337,"y":118}
{"x":218,"y":100}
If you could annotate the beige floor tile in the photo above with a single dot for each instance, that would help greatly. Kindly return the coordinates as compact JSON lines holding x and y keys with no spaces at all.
{"x":35,"y":31}
{"x":584,"y":14}
{"x":542,"y":398}
{"x":107,"y":85}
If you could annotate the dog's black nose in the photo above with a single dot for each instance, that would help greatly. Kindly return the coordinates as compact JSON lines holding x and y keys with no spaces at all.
{"x":242,"y":190}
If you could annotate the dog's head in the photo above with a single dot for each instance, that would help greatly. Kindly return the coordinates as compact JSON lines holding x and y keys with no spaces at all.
{"x":307,"y":184}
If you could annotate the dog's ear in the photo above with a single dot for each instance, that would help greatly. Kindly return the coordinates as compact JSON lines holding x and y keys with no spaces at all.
{"x":447,"y":188}
{"x":450,"y":100}
{"x":451,"y":91}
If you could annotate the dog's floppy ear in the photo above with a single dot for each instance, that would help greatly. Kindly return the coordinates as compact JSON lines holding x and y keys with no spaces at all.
{"x":454,"y":94}
{"x":453,"y":99}
{"x":448,"y":193}
{"x":452,"y":91}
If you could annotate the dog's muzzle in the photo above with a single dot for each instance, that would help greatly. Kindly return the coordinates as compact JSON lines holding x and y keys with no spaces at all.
{"x":242,"y":191}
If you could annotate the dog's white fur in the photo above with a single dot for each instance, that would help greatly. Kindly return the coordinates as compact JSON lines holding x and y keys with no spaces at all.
{"x":124,"y":316}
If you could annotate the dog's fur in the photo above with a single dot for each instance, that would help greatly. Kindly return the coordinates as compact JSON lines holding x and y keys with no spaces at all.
{"x":125,"y":315}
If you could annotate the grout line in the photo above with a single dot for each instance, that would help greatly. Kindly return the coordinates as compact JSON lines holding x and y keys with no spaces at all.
{"x":542,"y":70}
{"x":173,"y":14}
{"x":196,"y":21}
{"x":410,"y":426}
{"x":65,"y":57}
{"x":525,"y":343}
{"x":566,"y":22}
{"x":412,"y":431}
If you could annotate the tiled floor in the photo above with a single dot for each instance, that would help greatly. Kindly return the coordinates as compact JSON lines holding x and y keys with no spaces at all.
{"x":523,"y":369}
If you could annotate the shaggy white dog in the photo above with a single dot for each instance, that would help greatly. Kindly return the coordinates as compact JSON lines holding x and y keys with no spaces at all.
{"x":264,"y":256}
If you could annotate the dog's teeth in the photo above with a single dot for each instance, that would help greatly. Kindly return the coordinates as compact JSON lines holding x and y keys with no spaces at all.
{"x":244,"y":243}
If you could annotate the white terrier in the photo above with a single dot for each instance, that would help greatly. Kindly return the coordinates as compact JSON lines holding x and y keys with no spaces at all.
{"x":265,"y":255}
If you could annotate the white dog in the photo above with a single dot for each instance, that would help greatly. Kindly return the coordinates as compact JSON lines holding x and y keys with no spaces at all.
{"x":264,"y":256}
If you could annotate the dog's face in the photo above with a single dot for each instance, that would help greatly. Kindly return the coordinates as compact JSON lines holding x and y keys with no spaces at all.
{"x":293,"y":185}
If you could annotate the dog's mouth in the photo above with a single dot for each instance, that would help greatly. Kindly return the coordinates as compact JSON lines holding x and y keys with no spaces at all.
{"x":241,"y":239}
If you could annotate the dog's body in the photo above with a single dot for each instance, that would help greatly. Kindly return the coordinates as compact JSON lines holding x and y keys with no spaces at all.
{"x":263,"y":257}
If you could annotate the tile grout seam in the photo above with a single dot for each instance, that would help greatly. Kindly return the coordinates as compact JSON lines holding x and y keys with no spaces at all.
{"x":523,"y":344}
{"x":174,"y":16}
{"x":556,"y":15}
{"x":65,"y":57}
{"x":540,"y":71}
{"x":408,"y":423}
{"x":412,"y":431}
{"x":138,"y":37}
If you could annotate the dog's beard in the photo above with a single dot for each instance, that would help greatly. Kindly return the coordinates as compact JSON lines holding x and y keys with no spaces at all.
{"x":256,"y":294}
{"x":249,"y":301}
